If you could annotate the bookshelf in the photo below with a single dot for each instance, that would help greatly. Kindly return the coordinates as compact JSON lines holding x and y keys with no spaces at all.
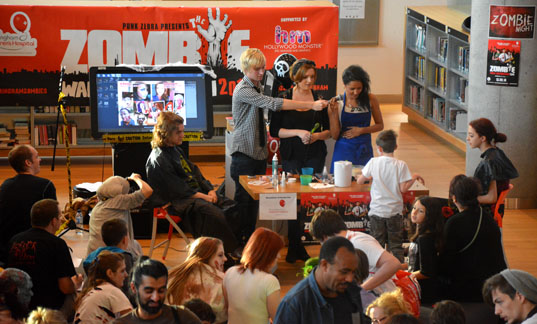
{"x":30,"y":124}
{"x":435,"y":86}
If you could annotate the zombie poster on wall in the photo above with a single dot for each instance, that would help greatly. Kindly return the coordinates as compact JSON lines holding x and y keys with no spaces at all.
{"x":36,"y":40}
{"x":354,"y":207}
{"x":311,"y":203}
{"x":503,"y":61}
{"x":512,"y":22}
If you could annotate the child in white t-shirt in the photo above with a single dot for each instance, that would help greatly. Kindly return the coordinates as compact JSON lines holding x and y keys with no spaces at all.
{"x":390,"y":178}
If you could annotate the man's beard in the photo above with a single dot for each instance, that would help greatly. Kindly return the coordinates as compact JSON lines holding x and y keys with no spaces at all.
{"x":150,"y":309}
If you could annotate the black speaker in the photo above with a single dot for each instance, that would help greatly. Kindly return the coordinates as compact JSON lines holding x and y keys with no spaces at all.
{"x":142,"y":221}
{"x":131,"y":157}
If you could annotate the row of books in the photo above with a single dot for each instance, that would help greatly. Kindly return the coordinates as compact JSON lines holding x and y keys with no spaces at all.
{"x":54,"y":109}
{"x":464,"y":58}
{"x":440,"y":76}
{"x":458,"y":120}
{"x":438,"y":109}
{"x":415,"y":95}
{"x":442,"y":48}
{"x":420,"y":37}
{"x":420,"y":67}
{"x":44,"y":134}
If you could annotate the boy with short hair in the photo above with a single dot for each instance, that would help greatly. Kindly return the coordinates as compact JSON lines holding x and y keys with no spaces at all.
{"x":115,"y":235}
{"x":390,"y":179}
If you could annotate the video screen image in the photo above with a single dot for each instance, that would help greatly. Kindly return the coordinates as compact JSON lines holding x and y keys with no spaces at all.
{"x":142,"y":101}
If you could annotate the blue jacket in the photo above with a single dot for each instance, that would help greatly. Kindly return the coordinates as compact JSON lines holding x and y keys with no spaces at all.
{"x":304,"y":304}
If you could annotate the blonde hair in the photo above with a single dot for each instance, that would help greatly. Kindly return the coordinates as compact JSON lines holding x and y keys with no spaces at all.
{"x":391,"y":303}
{"x":167,"y":122}
{"x":252,"y":57}
{"x":46,"y":316}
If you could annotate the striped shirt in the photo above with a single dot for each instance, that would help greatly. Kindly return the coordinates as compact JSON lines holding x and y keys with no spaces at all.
{"x":245,"y":109}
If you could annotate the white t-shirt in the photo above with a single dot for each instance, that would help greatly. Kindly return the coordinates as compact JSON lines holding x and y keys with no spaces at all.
{"x":102,"y":305}
{"x":387,"y":173}
{"x":247,"y":294}
{"x":373,"y":250}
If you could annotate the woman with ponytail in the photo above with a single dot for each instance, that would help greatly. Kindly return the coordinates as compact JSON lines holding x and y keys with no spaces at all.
{"x":102,"y":300}
{"x":495,"y":169}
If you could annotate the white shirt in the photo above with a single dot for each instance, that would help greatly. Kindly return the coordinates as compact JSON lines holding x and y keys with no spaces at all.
{"x":247,"y":294}
{"x":387,"y":173}
{"x":102,"y":305}
{"x":372,"y":249}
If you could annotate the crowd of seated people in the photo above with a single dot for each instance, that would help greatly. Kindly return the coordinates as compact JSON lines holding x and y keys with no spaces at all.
{"x":457,"y":261}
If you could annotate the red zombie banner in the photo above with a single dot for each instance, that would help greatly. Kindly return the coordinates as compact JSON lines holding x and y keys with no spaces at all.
{"x":311,"y":203}
{"x":35,"y":40}
{"x":512,"y":21}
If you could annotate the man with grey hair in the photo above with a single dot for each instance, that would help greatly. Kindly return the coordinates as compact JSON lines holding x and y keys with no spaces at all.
{"x":513,"y":293}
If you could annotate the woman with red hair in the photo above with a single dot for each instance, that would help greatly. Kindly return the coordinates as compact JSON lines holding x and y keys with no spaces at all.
{"x":252,"y":292}
{"x":200,"y":276}
{"x":495,"y":169}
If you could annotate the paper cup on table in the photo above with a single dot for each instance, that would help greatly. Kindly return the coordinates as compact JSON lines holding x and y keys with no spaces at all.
{"x":342,"y":173}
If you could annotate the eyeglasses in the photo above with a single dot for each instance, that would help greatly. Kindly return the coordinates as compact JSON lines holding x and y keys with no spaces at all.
{"x":378,"y":321}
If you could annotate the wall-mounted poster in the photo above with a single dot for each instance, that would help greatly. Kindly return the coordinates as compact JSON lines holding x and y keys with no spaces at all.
{"x":503,"y":62}
{"x":512,"y":21}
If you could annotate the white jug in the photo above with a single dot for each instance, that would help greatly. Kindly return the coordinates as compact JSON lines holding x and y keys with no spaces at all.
{"x":342,"y":173}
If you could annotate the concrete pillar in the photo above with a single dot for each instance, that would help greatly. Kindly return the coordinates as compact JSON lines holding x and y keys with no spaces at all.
{"x":512,"y":109}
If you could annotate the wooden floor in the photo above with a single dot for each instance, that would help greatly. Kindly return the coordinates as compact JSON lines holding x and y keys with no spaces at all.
{"x":435,"y":161}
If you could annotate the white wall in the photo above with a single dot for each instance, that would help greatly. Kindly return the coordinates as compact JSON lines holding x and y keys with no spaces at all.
{"x":383,"y":62}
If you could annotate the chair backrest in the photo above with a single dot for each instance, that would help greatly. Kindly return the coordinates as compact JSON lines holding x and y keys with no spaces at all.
{"x":499,"y":202}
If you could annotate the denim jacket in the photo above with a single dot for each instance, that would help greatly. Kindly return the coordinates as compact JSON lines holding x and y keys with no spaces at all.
{"x":304,"y":304}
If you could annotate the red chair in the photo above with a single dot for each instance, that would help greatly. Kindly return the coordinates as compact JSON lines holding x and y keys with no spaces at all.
{"x":162,"y":213}
{"x":499,"y":202}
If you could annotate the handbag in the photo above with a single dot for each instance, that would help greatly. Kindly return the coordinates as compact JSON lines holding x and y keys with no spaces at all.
{"x":476,"y":231}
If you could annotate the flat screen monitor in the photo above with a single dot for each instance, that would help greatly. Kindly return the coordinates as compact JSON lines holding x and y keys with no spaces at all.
{"x":123,"y":100}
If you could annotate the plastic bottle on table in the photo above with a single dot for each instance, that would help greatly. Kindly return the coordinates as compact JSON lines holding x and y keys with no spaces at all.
{"x":79,"y":220}
{"x":325,"y":177}
{"x":275,"y":170}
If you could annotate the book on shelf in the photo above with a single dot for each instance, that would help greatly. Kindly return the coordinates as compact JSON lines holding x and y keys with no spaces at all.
{"x":453,"y":112}
{"x":420,"y":37}
{"x":420,"y":67}
{"x":440,"y":76}
{"x":462,"y":90}
{"x":442,"y":48}
{"x":464,"y":58}
{"x":438,"y":109}
{"x":415,"y":95}
{"x":461,"y":122}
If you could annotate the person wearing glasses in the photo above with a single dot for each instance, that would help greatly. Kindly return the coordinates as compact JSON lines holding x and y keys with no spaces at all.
{"x":388,"y":304}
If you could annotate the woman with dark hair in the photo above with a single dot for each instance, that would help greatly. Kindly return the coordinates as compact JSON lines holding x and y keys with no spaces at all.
{"x":102,"y":299}
{"x":302,"y":133}
{"x":495,"y":169}
{"x":141,"y":91}
{"x":350,"y":118}
{"x":201,"y":276}
{"x":426,"y":244}
{"x":252,"y":292}
{"x":472,"y":251}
